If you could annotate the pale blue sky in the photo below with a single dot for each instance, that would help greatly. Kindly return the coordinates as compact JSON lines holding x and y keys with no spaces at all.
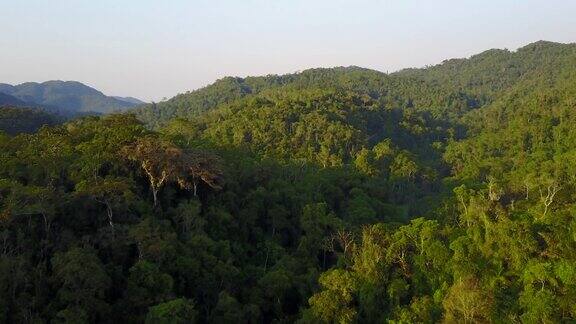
{"x":152,"y":49}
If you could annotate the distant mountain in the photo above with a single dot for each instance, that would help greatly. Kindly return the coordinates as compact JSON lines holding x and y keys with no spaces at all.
{"x":131,"y":100}
{"x":70,"y":97}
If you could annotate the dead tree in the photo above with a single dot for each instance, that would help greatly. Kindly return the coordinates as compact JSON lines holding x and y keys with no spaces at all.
{"x":548,"y":198}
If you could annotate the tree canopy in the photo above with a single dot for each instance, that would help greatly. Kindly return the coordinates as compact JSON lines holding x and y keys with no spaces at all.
{"x":344,"y":195}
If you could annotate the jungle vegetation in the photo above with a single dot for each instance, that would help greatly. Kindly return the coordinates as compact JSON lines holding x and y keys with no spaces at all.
{"x":343,"y":195}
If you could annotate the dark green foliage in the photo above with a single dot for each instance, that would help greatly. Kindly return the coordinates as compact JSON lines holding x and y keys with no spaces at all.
{"x":388,"y":91}
{"x":179,"y":311}
{"x":16,"y":120}
{"x":344,"y":195}
{"x":194,"y":103}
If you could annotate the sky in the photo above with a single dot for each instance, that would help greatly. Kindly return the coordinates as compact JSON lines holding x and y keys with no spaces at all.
{"x":153,"y":49}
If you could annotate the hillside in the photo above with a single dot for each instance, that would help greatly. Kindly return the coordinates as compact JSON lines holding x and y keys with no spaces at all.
{"x":448,"y":89}
{"x":487,"y":74}
{"x":7,"y":100}
{"x":69,"y":97}
{"x":344,"y":195}
{"x":17,"y":116}
{"x":392,"y":91}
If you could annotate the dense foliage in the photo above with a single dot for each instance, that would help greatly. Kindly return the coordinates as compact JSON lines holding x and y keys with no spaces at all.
{"x":16,"y":120}
{"x":445,"y":194}
{"x":390,"y":91}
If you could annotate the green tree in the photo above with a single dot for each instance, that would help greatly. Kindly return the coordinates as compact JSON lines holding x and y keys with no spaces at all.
{"x":178,"y":310}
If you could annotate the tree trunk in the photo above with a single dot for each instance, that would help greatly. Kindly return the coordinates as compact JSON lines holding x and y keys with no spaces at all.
{"x":110,"y":215}
{"x":155,"y":195}
{"x":46,"y":224}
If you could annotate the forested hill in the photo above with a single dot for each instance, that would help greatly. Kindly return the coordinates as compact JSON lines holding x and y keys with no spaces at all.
{"x":65,"y":97}
{"x":345,"y":195}
{"x":391,"y":91}
{"x":15,"y":119}
{"x":448,"y":89}
{"x":487,"y":74}
{"x":17,"y":116}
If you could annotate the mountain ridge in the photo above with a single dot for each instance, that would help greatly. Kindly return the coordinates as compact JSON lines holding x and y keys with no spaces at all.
{"x":70,"y":97}
{"x":472,"y":81}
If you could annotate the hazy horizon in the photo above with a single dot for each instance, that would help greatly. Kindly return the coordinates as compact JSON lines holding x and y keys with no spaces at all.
{"x":150,"y":50}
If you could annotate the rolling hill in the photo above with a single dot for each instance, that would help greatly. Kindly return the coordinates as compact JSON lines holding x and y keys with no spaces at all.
{"x":447,"y":90}
{"x":68,"y":97}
